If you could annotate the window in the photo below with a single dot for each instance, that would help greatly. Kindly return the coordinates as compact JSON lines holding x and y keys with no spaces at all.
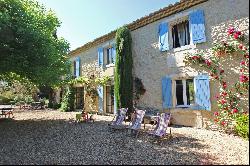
{"x":109,"y":56}
{"x":106,"y":55}
{"x":181,"y":34}
{"x":77,"y":67}
{"x":184,"y":29}
{"x":193,"y":92}
{"x":184,"y":92}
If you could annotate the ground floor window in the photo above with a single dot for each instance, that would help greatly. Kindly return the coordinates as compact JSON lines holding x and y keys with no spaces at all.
{"x":110,"y":99}
{"x":79,"y":95}
{"x":184,"y":92}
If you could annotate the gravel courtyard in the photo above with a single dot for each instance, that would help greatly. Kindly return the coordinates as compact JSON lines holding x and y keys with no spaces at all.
{"x":52,"y":137}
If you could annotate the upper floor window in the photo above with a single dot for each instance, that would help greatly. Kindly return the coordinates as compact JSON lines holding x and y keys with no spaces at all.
{"x":109,"y":58}
{"x":191,"y":30}
{"x":106,"y":55}
{"x":180,"y":34}
{"x":77,"y":67}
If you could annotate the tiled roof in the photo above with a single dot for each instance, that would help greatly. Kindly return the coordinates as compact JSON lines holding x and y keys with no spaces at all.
{"x":164,"y":12}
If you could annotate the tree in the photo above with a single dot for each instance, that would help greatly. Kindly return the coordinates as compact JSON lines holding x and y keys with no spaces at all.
{"x":29,"y":46}
{"x":123,"y":70}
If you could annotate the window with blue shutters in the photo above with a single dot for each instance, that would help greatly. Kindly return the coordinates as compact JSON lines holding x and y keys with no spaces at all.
{"x":191,"y":93}
{"x":108,"y":54}
{"x":163,"y":30}
{"x":189,"y":28}
{"x":197,"y":26}
{"x":202,"y":92}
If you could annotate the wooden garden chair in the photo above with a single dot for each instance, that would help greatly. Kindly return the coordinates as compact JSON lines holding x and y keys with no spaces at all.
{"x":119,"y":118}
{"x":136,"y":120}
{"x":160,"y":130}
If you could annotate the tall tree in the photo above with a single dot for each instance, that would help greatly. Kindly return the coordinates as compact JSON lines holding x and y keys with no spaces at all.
{"x":29,"y":45}
{"x":123,"y":70}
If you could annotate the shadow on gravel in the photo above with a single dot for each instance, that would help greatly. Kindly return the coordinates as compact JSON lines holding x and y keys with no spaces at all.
{"x":66,"y":142}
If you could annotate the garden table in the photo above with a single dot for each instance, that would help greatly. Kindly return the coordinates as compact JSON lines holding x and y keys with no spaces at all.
{"x":150,"y":118}
{"x":7,"y":111}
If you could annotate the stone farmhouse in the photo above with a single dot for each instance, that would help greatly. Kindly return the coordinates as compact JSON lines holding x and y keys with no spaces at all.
{"x":159,"y":43}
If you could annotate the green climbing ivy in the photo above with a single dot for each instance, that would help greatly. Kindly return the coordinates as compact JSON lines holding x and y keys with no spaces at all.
{"x":67,"y":103}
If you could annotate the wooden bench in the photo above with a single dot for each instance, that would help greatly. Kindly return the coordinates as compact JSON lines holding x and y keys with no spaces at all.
{"x":7,"y":111}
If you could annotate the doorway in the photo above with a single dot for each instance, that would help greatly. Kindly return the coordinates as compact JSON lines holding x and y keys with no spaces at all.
{"x":110,"y":99}
{"x":79,"y":97}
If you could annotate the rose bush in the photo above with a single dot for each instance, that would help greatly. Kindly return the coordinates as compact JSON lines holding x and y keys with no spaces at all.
{"x":229,"y":98}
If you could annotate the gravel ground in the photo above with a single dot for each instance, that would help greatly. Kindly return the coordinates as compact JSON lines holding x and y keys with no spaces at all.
{"x":52,"y":137}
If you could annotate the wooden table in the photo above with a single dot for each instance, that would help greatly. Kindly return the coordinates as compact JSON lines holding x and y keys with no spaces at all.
{"x":150,"y":118}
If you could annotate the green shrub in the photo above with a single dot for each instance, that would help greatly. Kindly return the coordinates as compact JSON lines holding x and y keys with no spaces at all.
{"x":18,"y":98}
{"x":50,"y":105}
{"x":242,"y":126}
{"x":56,"y":105}
{"x":68,"y":99}
{"x":4,"y":100}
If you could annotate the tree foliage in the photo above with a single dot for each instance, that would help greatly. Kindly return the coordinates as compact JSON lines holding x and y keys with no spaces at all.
{"x":123,"y":70}
{"x":29,"y":46}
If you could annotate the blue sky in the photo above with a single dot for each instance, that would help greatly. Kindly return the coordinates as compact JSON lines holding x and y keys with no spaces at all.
{"x":85,"y":20}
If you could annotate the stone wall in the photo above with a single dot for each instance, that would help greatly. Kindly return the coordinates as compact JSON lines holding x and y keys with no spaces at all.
{"x":151,"y":65}
{"x":90,"y":57}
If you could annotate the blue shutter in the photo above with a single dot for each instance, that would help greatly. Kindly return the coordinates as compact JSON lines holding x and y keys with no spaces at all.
{"x":166,"y":92}
{"x":100,"y":98}
{"x":100,"y":57}
{"x":163,"y":36}
{"x":197,"y":26}
{"x":113,"y":53}
{"x":202,"y":92}
{"x":77,"y":69}
{"x":74,"y":68}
